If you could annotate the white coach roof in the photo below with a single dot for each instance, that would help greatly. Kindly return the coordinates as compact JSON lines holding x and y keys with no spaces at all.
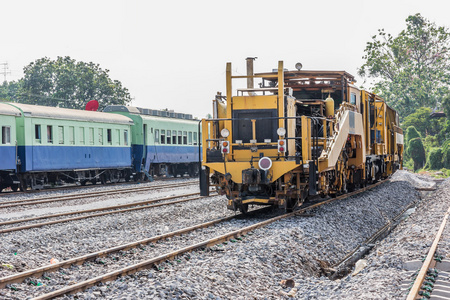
{"x":38,"y":111}
{"x":6,"y":109}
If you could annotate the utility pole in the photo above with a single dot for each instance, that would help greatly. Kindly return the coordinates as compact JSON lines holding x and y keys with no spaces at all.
{"x":5,"y":71}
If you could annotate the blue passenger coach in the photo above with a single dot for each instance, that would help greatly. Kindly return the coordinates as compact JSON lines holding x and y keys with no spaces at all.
{"x":71,"y":145}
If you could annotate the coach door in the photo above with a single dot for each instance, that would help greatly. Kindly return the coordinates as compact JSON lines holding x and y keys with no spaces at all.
{"x":144,"y":155}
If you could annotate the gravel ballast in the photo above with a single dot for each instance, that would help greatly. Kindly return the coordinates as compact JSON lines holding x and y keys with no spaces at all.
{"x":298,"y":248}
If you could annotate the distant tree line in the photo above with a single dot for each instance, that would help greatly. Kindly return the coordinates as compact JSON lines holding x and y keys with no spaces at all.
{"x":64,"y":82}
{"x":412,"y":72}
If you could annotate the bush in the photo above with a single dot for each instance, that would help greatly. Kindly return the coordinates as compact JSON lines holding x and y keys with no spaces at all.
{"x":430,"y":142}
{"x":417,"y":152}
{"x":434,"y":161}
{"x":411,"y":133}
{"x":446,"y":155}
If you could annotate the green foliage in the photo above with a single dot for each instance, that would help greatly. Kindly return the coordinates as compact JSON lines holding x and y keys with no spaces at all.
{"x":412,"y":68}
{"x":9,"y":91}
{"x":431,"y":141}
{"x":434,"y":161}
{"x":417,"y":152}
{"x":411,"y":133}
{"x":446,"y":154}
{"x":68,"y":83}
{"x":408,"y":163}
{"x":444,"y":134}
{"x":422,"y":121}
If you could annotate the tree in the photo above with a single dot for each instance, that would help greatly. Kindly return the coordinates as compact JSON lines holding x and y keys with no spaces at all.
{"x":434,"y":161}
{"x":71,"y":84}
{"x":417,"y":152}
{"x":9,"y":91}
{"x":413,"y":68}
{"x":411,"y":133}
{"x":422,"y":121}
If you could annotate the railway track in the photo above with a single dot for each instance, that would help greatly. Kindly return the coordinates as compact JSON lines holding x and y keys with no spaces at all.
{"x":158,"y":257}
{"x":23,"y":202}
{"x":100,"y":212}
{"x":427,"y":283}
{"x":82,"y":187}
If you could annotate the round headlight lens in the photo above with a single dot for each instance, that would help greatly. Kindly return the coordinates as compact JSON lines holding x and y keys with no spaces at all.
{"x":224,"y":132}
{"x":281,"y":131}
{"x":265,"y":163}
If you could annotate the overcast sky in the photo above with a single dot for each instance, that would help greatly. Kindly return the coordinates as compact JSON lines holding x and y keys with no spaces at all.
{"x":172,"y":54}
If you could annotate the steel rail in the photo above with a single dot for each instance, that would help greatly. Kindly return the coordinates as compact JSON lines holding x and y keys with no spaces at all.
{"x":19,"y":277}
{"x":84,"y":195}
{"x":143,"y":203}
{"x":171,"y":255}
{"x":414,"y":292}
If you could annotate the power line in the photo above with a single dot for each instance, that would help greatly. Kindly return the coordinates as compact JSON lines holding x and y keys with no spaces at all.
{"x":5,"y":70}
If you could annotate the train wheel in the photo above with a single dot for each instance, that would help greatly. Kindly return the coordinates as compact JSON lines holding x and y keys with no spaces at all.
{"x":243,"y":208}
{"x":23,"y":186}
{"x":103,"y":179}
{"x":15,"y":187}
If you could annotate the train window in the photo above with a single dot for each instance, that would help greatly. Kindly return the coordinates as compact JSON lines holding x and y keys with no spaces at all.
{"x":125,"y":137}
{"x":195,"y":138}
{"x":37,"y":133}
{"x":50,"y":134}
{"x":61,"y":134}
{"x":265,"y":126}
{"x":353,"y":98}
{"x":109,"y":136}
{"x":180,"y":138}
{"x":6,"y":135}
{"x":91,"y":136}
{"x":117,"y":137}
{"x":100,"y":136}
{"x":163,"y":136}
{"x":71,"y":135}
{"x":82,"y":135}
{"x":157,"y":136}
{"x":174,"y":139}
{"x":190,"y":138}
{"x":184,"y":137}
{"x":168,"y":136}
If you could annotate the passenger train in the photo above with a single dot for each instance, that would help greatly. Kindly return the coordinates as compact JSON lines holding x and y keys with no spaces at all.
{"x":48,"y":145}
{"x":299,"y":134}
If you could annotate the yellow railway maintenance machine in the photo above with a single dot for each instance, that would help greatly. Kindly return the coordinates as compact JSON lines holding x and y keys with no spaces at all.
{"x":301,"y":133}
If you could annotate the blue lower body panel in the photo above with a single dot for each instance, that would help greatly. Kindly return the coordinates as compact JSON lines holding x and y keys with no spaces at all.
{"x":49,"y":158}
{"x":7,"y":157}
{"x":171,"y":154}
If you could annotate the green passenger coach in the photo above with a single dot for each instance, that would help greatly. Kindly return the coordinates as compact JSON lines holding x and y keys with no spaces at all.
{"x":164,"y":143}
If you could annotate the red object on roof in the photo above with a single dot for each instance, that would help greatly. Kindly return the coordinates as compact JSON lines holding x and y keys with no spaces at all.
{"x":92,"y":105}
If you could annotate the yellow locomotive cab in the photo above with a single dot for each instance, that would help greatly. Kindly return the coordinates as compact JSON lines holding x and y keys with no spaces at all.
{"x":300,"y":134}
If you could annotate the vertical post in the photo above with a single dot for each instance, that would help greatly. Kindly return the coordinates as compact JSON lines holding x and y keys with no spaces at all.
{"x":204,"y":170}
{"x":250,"y":83}
{"x":254,"y":128}
{"x":229,"y":110}
{"x":306,"y":139}
{"x":280,"y":94}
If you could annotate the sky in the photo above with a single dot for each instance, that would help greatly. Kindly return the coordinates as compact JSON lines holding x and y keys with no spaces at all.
{"x":173,"y":54}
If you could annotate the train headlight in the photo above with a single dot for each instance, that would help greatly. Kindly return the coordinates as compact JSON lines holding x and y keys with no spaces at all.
{"x":225,"y":147}
{"x":281,"y":131}
{"x":281,"y":145}
{"x":265,"y":163}
{"x":225,"y":133}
